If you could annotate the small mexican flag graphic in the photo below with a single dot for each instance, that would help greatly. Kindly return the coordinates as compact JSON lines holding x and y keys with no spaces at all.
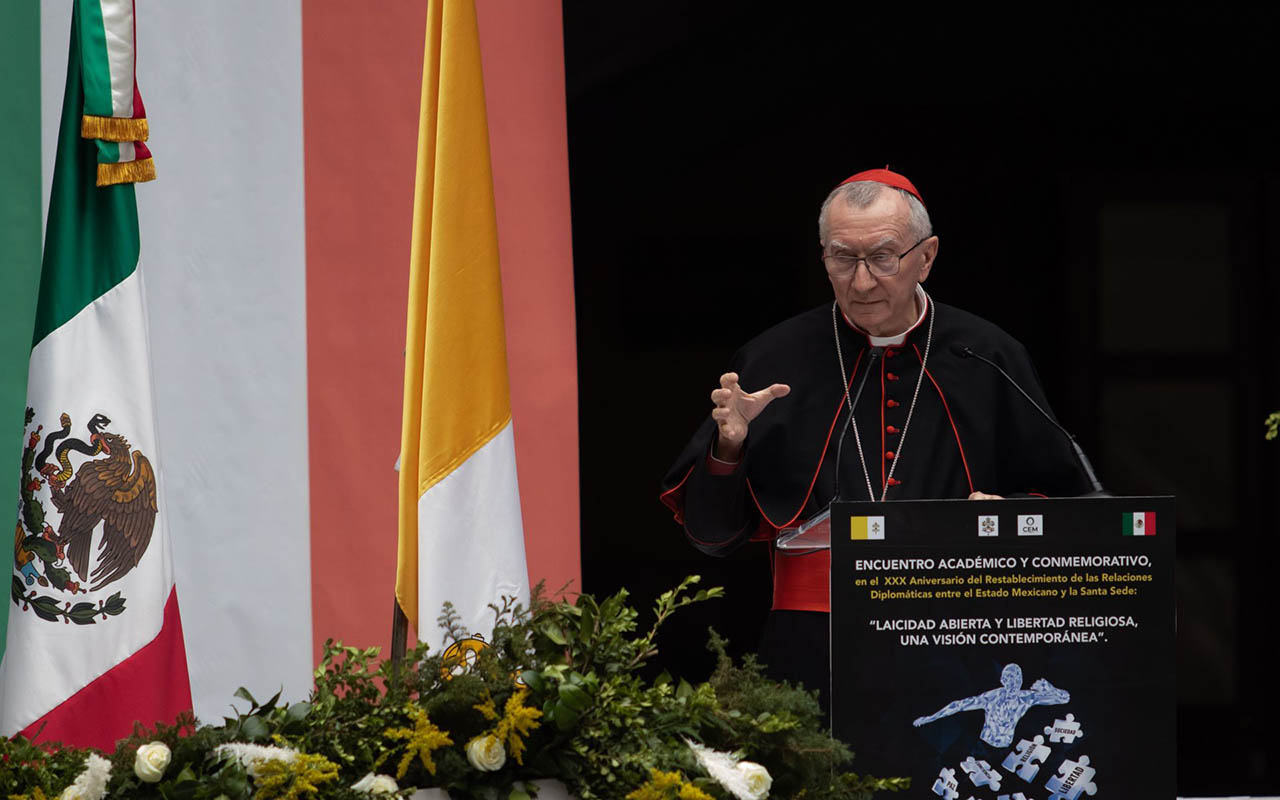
{"x":866,"y":528}
{"x":1140,"y":523}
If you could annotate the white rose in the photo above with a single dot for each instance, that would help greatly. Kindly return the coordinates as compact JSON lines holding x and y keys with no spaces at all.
{"x":376,"y":784}
{"x":757,"y":778}
{"x":150,"y":762}
{"x":486,"y":753}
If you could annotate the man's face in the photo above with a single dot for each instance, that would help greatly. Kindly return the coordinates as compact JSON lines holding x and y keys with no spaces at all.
{"x":881,"y":306}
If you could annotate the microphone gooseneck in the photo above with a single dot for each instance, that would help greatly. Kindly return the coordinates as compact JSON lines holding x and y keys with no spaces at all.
{"x":964,"y":351}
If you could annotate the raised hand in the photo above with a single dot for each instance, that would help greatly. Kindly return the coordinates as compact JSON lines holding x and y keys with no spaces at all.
{"x":734,"y":411}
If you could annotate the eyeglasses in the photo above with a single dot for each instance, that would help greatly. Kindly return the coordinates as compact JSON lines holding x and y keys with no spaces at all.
{"x":882,"y":265}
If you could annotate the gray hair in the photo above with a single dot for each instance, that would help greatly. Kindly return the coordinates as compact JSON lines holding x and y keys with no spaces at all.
{"x":861,"y":194}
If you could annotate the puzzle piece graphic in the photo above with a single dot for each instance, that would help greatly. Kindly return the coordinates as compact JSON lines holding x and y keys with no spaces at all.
{"x":1027,"y":757}
{"x":1073,"y":779}
{"x":1014,"y":796}
{"x":946,"y":784}
{"x":1064,"y":730}
{"x":981,"y":773}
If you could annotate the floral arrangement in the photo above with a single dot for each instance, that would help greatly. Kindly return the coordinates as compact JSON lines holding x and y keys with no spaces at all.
{"x":557,"y":692}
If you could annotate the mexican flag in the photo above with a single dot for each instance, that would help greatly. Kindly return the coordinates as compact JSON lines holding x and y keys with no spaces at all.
{"x":94,"y":642}
{"x":1138,"y":523}
{"x":275,"y":256}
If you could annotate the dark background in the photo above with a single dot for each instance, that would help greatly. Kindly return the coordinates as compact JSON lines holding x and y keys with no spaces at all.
{"x":1106,"y":189}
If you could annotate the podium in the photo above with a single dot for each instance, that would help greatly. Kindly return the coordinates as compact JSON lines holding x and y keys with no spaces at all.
{"x":990,"y":648}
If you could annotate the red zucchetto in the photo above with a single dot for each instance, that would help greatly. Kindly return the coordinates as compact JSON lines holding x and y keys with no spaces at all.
{"x":888,"y":178}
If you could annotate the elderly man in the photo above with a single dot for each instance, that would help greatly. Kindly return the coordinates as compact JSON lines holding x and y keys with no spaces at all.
{"x":780,"y":444}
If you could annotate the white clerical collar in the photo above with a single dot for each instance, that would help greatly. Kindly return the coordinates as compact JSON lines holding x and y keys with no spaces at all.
{"x":894,"y":341}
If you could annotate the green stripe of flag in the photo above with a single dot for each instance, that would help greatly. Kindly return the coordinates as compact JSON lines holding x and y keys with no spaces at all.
{"x":92,"y":239}
{"x":93,"y":55}
{"x":19,"y":239}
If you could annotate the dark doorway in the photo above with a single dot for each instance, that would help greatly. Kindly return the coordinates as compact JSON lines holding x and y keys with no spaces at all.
{"x":1106,"y":189}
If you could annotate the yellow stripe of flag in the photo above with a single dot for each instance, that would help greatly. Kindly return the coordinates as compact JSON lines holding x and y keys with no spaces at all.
{"x":455,"y":381}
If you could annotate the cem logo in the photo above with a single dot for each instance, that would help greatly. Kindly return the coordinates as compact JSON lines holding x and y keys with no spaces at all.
{"x":1031,"y":525}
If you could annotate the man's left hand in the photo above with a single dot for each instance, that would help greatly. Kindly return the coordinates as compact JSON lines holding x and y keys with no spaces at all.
{"x":984,"y":496}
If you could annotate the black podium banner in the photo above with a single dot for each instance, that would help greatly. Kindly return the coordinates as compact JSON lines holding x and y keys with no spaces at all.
{"x":1019,"y":648}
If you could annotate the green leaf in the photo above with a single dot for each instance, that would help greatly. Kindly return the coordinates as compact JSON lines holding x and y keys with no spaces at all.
{"x":534,"y":680}
{"x":254,"y":728}
{"x":182,"y":791}
{"x":16,"y":589}
{"x":270,"y":704}
{"x":566,"y":718}
{"x":243,"y":694}
{"x":587,"y":628}
{"x":552,"y":631}
{"x":114,"y":604}
{"x":46,"y":608}
{"x":234,"y":781}
{"x":297,"y":712}
{"x":574,"y":697}
{"x":83,"y":613}
{"x":556,"y":672}
{"x":519,"y":794}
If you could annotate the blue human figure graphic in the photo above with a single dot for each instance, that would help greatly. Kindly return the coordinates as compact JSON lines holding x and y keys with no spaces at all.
{"x":1003,"y":706}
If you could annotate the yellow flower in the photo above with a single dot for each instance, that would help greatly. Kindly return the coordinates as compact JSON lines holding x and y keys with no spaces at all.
{"x":422,"y":740}
{"x":666,"y":786}
{"x":290,"y":780}
{"x":691,"y":792}
{"x":486,"y":708}
{"x":517,"y":722}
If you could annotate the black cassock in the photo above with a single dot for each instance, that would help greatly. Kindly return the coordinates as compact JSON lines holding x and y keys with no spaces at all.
{"x":970,"y":431}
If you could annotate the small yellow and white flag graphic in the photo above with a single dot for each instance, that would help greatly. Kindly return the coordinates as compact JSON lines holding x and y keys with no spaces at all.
{"x":866,"y":527}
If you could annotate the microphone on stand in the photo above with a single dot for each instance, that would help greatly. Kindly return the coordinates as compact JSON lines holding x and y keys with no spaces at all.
{"x":963,"y":350}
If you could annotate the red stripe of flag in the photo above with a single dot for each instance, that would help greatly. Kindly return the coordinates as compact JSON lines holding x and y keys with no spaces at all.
{"x":149,"y":686}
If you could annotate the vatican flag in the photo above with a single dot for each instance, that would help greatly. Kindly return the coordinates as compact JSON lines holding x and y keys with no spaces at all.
{"x":866,"y":528}
{"x":461,"y":537}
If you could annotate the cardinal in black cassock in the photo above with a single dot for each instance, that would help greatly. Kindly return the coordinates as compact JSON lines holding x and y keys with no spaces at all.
{"x":927,"y":422}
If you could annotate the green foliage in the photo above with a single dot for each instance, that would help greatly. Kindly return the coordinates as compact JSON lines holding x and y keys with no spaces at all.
{"x":25,"y":767}
{"x":1273,"y":425}
{"x":558,"y":683}
{"x":776,"y":723}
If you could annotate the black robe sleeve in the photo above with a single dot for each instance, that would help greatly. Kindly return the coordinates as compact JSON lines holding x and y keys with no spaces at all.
{"x":716,"y":511}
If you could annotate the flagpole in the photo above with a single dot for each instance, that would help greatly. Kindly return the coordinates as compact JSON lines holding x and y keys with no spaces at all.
{"x":399,"y":631}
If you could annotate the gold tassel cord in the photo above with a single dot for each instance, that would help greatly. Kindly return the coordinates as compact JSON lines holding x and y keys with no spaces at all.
{"x":138,"y":171}
{"x":114,"y":129}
